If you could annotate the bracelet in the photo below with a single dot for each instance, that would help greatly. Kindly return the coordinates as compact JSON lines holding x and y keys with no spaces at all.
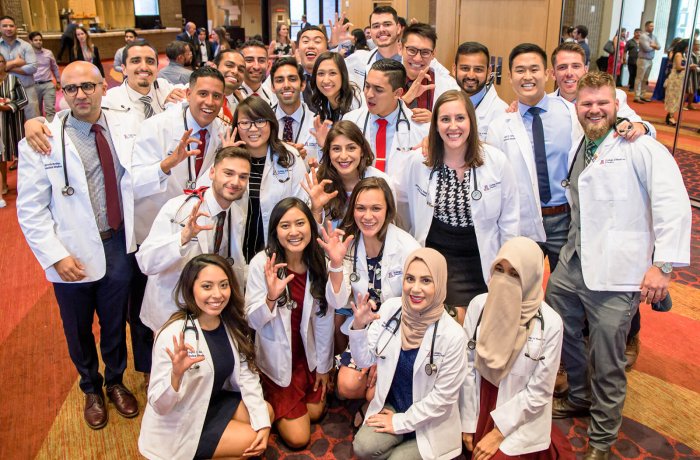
{"x":269,"y":299}
{"x":335,"y":270}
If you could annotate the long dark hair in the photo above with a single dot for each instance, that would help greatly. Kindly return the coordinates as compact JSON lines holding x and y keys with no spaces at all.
{"x":233,"y":314}
{"x":88,"y":41}
{"x":349,"y":226}
{"x":335,"y":209}
{"x":348,"y":90}
{"x":312,"y":256}
{"x":436,"y":146}
{"x":255,"y":108}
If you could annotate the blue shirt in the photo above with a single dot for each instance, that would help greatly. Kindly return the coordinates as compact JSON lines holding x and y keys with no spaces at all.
{"x":478,"y":97}
{"x":390,"y":129}
{"x":379,"y":57}
{"x":20,"y":48}
{"x":556,"y":121}
{"x":401,"y":392}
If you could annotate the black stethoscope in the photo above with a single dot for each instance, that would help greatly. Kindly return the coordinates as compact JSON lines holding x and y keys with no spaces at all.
{"x":371,"y":56}
{"x":430,"y":368}
{"x":192,"y":327}
{"x":486,"y":89}
{"x":471,"y":344}
{"x":475,"y":194}
{"x":191,"y":183}
{"x":301,"y":123}
{"x":401,"y":118}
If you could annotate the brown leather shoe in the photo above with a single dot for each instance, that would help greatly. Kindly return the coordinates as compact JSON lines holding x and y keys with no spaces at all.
{"x":596,"y":454}
{"x":561,"y":384}
{"x":123,"y":400}
{"x":95,"y":412}
{"x":562,"y":408}
{"x":632,"y":351}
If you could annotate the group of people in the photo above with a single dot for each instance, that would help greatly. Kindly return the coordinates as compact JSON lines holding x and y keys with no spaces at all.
{"x":269,"y":217}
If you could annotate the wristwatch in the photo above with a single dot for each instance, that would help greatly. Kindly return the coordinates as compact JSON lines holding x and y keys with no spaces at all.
{"x":665,"y":267}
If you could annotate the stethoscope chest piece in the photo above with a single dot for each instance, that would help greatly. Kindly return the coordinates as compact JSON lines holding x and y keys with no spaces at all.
{"x":471,"y":344}
{"x":476,"y":195}
{"x":430,"y":368}
{"x":230,"y":260}
{"x":68,"y":191}
{"x":354,"y":277}
{"x":190,"y":184}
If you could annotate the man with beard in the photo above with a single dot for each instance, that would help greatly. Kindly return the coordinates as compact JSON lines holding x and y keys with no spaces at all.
{"x":256,"y":66}
{"x":472,"y":71}
{"x":204,"y":221}
{"x":231,"y":64}
{"x":628,"y":207}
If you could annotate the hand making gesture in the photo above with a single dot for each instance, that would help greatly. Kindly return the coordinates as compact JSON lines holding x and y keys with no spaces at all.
{"x":228,"y":138}
{"x":192,"y":228}
{"x":275,"y":285}
{"x":332,"y":242}
{"x":180,"y":153}
{"x":181,"y":359}
{"x":317,"y":191}
{"x":363,"y":311}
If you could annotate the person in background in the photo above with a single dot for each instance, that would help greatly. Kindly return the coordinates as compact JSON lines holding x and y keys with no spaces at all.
{"x":67,"y":41}
{"x":21,"y":62}
{"x":12,"y":100}
{"x":617,"y":73}
{"x":210,"y":404}
{"x":580,"y":37}
{"x":648,"y":46}
{"x":359,"y":40}
{"x":85,"y":50}
{"x":632,"y":49}
{"x":282,"y":45}
{"x":311,"y":42}
{"x":674,"y":82}
{"x":220,"y":40}
{"x":130,"y":36}
{"x":180,"y":56}
{"x":257,"y":64}
{"x":46,"y":68}
{"x":205,"y":52}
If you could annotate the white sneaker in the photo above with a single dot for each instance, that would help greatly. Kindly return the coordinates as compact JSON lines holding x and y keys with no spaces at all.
{"x":2,"y":203}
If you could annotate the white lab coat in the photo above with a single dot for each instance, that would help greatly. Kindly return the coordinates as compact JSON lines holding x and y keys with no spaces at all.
{"x":490,"y":108}
{"x":265,"y":92}
{"x":273,"y":338}
{"x":407,"y":135}
{"x":523,"y":410}
{"x":272,"y":191}
{"x":173,"y":420}
{"x":304,"y":135}
{"x":398,"y":245}
{"x":162,"y":257}
{"x":158,"y":137}
{"x":633,"y":203}
{"x":58,"y":226}
{"x":434,"y":415}
{"x":495,"y":215}
{"x":118,"y":99}
{"x":508,"y":134}
{"x":359,"y":63}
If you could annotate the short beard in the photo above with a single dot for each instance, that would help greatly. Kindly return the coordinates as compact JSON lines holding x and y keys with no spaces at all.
{"x":471,"y":93}
{"x":596,"y":132}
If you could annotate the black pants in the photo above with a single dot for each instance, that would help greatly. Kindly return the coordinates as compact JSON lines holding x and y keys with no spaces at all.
{"x":633,"y":75}
{"x":141,"y":336}
{"x":78,"y":303}
{"x":66,"y":44}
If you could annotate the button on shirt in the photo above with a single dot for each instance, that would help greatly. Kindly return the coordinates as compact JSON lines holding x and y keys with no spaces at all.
{"x":390,"y":129}
{"x":556,"y":121}
{"x":84,"y":142}
{"x":20,"y":48}
{"x":45,"y":66}
{"x":296,"y":124}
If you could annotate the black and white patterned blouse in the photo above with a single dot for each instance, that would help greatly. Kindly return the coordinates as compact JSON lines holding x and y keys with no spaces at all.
{"x":374,"y":274}
{"x":452,"y":206}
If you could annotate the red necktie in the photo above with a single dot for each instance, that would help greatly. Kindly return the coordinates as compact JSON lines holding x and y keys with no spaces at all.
{"x":380,"y":145}
{"x":199,"y":159}
{"x":227,"y":111}
{"x":288,"y":131}
{"x":114,"y":211}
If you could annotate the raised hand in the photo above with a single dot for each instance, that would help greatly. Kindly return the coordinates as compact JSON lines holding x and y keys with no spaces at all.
{"x":320,"y":130}
{"x":339,"y":32}
{"x":228,"y":138}
{"x":317,"y":191}
{"x":192,"y":228}
{"x":363,"y":311}
{"x":181,"y":359}
{"x":417,"y":87}
{"x":180,"y":153}
{"x":332,"y":242}
{"x":421,"y":115}
{"x":275,"y":285}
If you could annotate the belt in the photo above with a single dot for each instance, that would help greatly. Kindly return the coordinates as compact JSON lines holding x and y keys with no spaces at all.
{"x":553,"y":210}
{"x":42,"y":82}
{"x":108,"y":234}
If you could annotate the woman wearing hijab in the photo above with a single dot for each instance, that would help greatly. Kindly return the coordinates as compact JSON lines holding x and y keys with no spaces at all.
{"x":420,"y":355}
{"x":514,"y":345}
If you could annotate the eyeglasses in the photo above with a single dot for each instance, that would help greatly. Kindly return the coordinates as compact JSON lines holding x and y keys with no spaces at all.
{"x":424,"y":53}
{"x":246,"y":125}
{"x":87,"y":87}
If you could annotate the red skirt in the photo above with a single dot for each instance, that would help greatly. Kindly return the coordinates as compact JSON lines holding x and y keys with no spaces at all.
{"x":290,"y":402}
{"x":559,"y":448}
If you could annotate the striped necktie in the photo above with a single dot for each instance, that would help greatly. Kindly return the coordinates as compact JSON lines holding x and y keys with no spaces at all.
{"x":147,"y":108}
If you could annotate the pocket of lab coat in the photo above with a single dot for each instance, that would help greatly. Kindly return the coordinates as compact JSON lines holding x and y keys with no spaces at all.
{"x":492,"y":201}
{"x":610,"y":183}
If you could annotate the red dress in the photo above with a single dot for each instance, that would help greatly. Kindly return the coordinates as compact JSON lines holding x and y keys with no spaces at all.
{"x":559,"y":448}
{"x":290,"y":402}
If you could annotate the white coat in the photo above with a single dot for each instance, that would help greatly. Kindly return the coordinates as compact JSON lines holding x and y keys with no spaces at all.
{"x":303,"y":136}
{"x":117,"y":99}
{"x":273,"y":338}
{"x":524,"y":406}
{"x":173,"y":420}
{"x":272,"y":191}
{"x":633,"y":203}
{"x":508,"y":134}
{"x":490,"y":108}
{"x":398,"y":245}
{"x":406,"y":136}
{"x":495,"y":215}
{"x":158,"y":138}
{"x":359,"y":63}
{"x":434,"y":414}
{"x":58,"y":226}
{"x":161,"y":256}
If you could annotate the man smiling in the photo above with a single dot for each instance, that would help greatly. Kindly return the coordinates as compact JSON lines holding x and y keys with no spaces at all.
{"x":256,"y":66}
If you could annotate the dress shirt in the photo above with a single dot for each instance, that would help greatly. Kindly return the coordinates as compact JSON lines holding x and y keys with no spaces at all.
{"x":478,"y":97}
{"x":175,"y":73}
{"x":390,"y":129}
{"x":46,"y":66}
{"x":556,"y":121}
{"x":645,"y":49}
{"x":20,"y":48}
{"x":296,"y":116}
{"x":136,"y":104}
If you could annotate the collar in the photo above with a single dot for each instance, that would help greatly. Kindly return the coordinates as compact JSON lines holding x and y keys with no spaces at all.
{"x":396,"y":57}
{"x":478,"y":97}
{"x":391,"y":118}
{"x":296,"y":115}
{"x":194,"y":126}
{"x":249,"y":91}
{"x":598,"y":141}
{"x":16,"y":41}
{"x":543,"y":104}
{"x":134,"y":96}
{"x":175,"y":64}
{"x":83,"y":127}
{"x":212,"y":204}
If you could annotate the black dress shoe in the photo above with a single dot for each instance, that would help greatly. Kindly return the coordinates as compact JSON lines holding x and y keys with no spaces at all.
{"x":562,"y":408}
{"x":596,"y":454}
{"x":95,"y":412}
{"x":123,"y":400}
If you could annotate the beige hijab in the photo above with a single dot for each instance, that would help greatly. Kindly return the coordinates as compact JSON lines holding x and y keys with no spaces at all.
{"x":414,"y":323}
{"x":510,"y":305}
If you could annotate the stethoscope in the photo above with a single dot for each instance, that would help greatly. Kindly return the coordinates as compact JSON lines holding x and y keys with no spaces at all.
{"x":199,"y":193}
{"x":471,"y":344}
{"x":192,"y":327}
{"x":475,"y":195}
{"x":285,"y":300}
{"x":430,"y":368}
{"x":191,"y":183}
{"x":371,"y":56}
{"x":301,"y":123}
{"x":355,"y":277}
{"x":401,"y":118}
{"x":261,"y":90}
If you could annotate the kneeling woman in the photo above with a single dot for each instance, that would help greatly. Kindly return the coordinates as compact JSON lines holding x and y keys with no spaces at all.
{"x":194,"y":405}
{"x":514,"y":346}
{"x":420,"y":352}
{"x":286,"y":305}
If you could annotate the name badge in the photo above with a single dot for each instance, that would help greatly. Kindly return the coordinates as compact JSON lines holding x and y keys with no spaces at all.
{"x":395,"y":273}
{"x":53,"y":165}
